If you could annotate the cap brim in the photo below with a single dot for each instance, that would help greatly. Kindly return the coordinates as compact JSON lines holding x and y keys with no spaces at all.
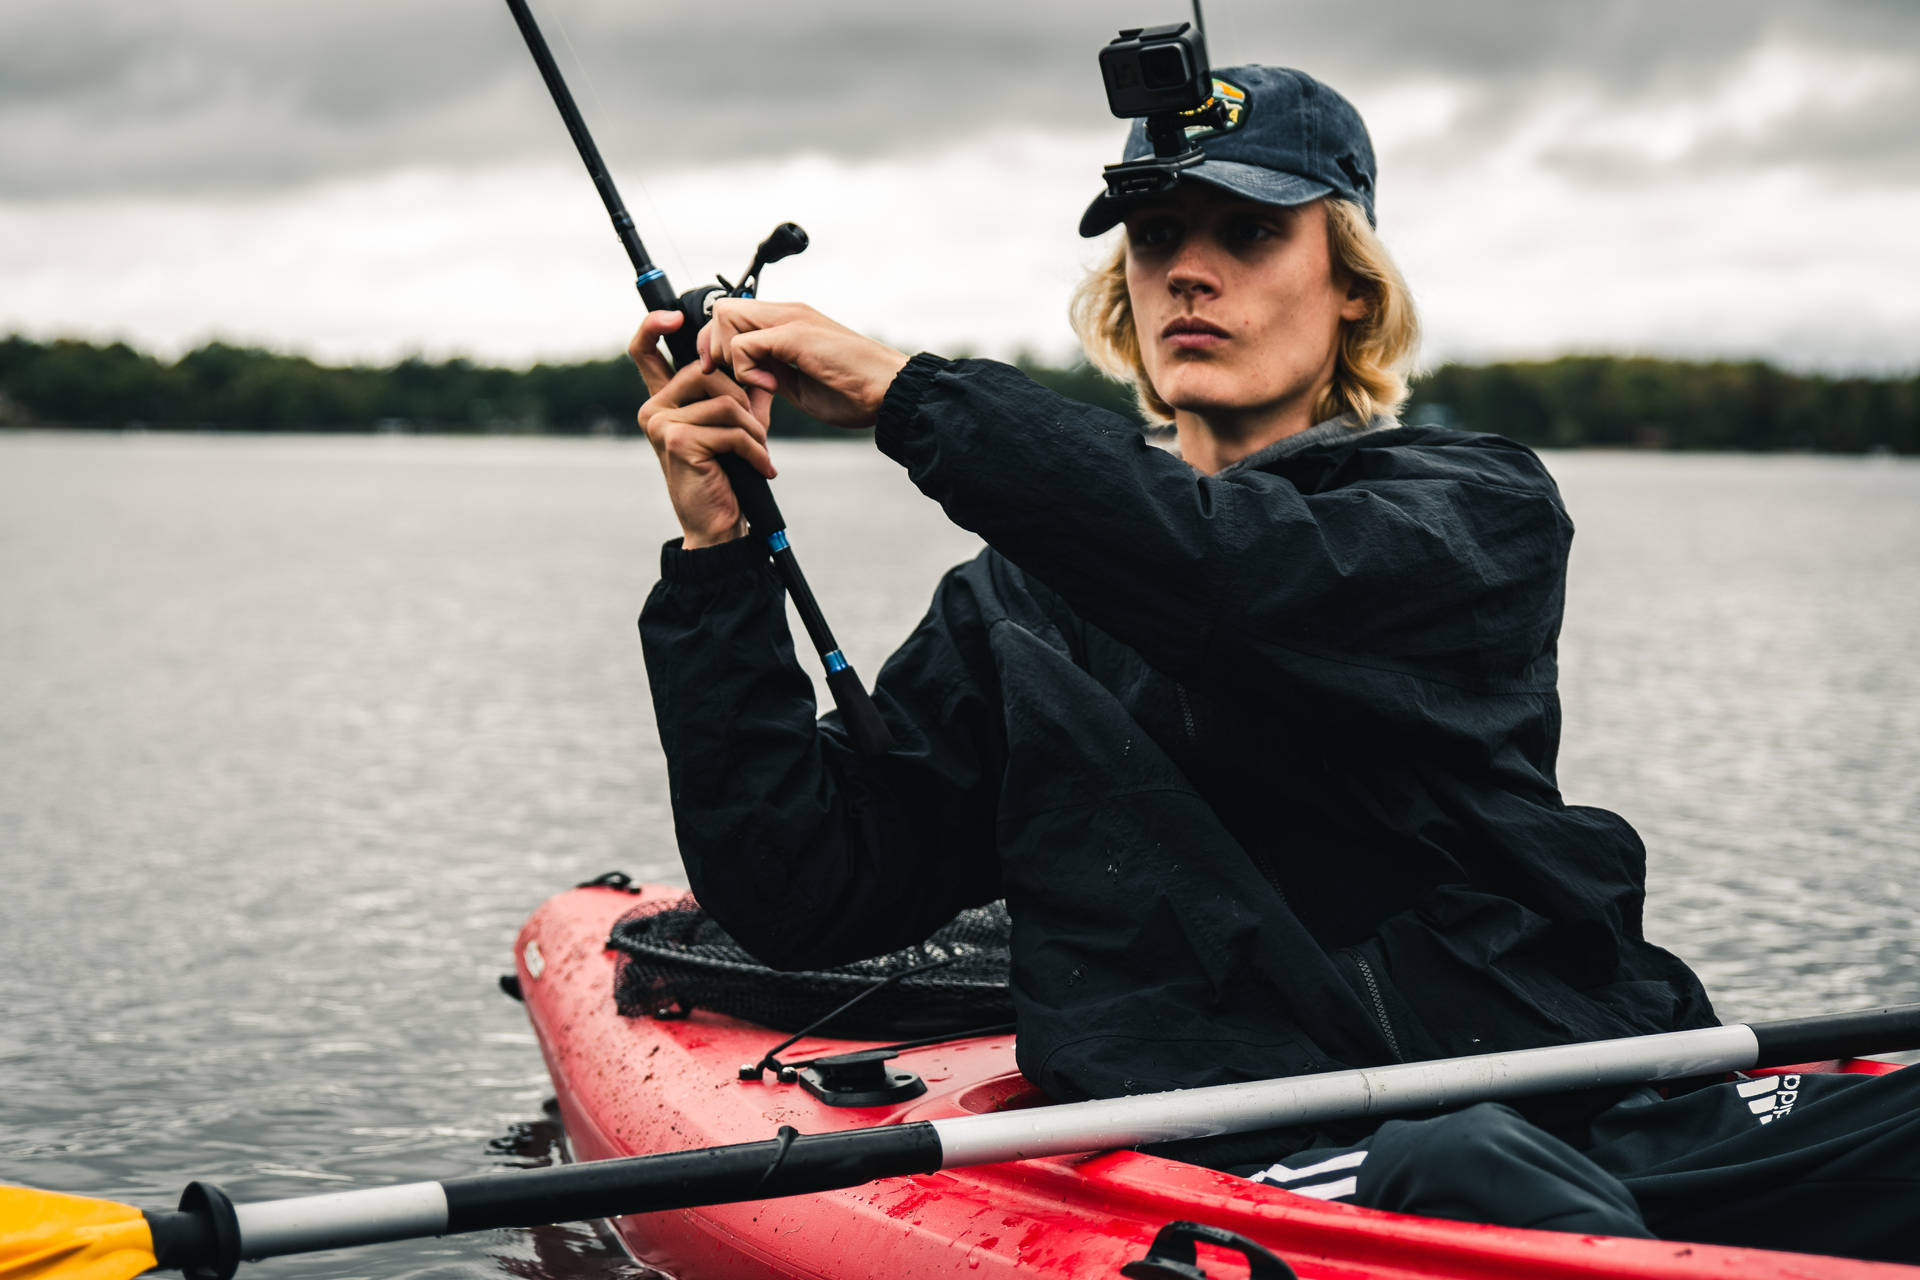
{"x":1247,"y":180}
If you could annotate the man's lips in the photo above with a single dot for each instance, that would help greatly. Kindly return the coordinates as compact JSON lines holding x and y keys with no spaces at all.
{"x":1191,"y":333}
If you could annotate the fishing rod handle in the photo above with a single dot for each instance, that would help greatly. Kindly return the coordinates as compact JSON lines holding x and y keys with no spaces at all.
{"x":865,"y":726}
{"x":750,"y":488}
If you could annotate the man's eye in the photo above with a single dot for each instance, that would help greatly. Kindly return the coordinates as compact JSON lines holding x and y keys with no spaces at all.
{"x":1253,"y":230}
{"x":1155,"y":234}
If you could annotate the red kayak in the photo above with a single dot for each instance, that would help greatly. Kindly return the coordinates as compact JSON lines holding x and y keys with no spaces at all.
{"x":630,"y":1086}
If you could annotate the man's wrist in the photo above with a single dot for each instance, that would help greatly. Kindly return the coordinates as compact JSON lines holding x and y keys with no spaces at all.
{"x":694,"y":541}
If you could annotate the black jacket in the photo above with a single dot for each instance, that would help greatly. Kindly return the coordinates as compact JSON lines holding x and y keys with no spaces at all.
{"x":1263,"y":762}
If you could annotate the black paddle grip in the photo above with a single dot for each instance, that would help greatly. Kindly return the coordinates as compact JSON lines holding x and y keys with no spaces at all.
{"x":683,"y":1179}
{"x":1837,"y":1035}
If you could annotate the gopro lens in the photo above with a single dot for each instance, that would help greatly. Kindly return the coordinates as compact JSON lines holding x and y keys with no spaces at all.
{"x":1164,"y":66}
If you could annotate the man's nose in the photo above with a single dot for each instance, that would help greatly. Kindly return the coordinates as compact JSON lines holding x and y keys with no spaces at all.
{"x":1192,"y":269}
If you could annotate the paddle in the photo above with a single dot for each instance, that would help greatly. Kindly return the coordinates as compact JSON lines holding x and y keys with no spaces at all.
{"x":44,"y":1235}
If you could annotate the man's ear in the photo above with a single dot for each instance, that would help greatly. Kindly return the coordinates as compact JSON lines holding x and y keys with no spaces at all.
{"x":1359,"y":302}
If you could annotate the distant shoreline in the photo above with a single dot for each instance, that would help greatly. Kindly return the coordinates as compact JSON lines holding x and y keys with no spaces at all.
{"x":840,"y":439}
{"x":1571,"y":402}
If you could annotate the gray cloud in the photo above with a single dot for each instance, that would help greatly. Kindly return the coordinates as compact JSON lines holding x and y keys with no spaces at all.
{"x":1880,"y":140}
{"x":104,"y":96}
{"x":1865,"y":143}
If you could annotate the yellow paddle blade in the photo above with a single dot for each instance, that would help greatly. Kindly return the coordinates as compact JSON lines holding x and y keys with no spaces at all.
{"x":48,"y":1236}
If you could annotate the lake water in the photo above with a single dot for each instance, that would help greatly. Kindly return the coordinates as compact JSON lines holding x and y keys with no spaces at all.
{"x":295,"y":731}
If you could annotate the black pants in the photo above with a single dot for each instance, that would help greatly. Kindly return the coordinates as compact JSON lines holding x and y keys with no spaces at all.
{"x":1816,"y":1163}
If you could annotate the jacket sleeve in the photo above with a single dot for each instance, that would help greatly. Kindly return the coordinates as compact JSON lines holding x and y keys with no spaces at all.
{"x":807,"y":852}
{"x":1448,"y":565}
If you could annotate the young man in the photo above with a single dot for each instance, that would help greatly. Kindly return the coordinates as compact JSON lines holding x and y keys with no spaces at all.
{"x":1257,"y":741}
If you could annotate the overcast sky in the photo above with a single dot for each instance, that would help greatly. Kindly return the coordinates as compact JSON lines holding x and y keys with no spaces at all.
{"x":360,"y":180}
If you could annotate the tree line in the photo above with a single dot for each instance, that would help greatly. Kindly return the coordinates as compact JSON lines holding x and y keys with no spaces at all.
{"x":1569,"y":402}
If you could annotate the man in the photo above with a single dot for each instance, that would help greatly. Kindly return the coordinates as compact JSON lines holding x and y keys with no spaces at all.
{"x":1257,"y":741}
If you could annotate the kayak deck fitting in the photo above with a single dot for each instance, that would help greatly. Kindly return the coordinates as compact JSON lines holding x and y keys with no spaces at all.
{"x":635,"y":1086}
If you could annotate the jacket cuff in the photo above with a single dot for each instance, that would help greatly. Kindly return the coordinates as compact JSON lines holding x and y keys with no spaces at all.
{"x":711,"y":564}
{"x":902,"y":401}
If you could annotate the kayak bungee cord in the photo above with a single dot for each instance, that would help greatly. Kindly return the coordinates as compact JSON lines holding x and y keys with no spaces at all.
{"x":770,"y":1060}
{"x":45,"y":1235}
{"x":864,"y":725}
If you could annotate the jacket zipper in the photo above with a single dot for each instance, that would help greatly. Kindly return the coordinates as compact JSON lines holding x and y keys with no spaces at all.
{"x":1272,"y":878}
{"x":1379,"y":1005}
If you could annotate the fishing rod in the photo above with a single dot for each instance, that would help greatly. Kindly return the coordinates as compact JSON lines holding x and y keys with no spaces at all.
{"x":750,"y":488}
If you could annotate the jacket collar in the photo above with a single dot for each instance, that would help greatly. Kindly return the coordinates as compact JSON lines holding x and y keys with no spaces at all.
{"x":1332,"y":431}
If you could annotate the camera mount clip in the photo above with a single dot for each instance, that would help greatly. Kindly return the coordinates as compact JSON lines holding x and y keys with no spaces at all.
{"x":1173,"y":151}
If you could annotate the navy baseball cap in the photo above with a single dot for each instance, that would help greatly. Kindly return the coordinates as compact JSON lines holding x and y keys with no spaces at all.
{"x":1288,"y":140}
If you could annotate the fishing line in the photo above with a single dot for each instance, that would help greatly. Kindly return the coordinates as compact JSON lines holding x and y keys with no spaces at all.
{"x":660,"y":220}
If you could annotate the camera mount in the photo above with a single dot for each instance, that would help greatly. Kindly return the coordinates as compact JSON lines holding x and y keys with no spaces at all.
{"x":1161,"y":73}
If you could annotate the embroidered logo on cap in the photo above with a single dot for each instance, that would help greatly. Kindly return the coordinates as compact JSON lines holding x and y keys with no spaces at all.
{"x":1234,"y":99}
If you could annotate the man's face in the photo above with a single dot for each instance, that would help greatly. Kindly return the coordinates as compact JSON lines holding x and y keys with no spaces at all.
{"x":1236,"y":303}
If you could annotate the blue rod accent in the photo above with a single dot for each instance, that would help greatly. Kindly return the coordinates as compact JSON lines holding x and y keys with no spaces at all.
{"x":654,"y":274}
{"x":777,"y":540}
{"x":835,"y":661}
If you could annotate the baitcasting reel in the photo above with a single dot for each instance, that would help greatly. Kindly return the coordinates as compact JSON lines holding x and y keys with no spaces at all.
{"x":784,"y":241}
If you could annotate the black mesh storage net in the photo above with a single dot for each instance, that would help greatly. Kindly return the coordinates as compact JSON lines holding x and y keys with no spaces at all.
{"x":674,"y":959}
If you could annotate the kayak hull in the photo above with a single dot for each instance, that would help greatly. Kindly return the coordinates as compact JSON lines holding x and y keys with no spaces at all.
{"x":635,"y":1086}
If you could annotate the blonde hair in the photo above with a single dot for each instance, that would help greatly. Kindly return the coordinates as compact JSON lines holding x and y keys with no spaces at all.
{"x":1376,"y":352}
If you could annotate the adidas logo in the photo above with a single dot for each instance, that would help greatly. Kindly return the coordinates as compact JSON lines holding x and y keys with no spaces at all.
{"x":1770,"y":1097}
{"x":1320,"y":1180}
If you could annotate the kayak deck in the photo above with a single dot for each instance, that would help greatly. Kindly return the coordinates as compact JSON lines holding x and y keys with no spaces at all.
{"x":634,"y":1086}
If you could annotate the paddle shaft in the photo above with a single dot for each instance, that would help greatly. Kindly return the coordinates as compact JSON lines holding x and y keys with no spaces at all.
{"x":750,"y":489}
{"x":797,"y":1165}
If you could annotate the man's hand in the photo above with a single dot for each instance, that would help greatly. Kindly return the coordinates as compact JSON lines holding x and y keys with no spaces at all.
{"x":693,"y":417}
{"x":822,"y":368}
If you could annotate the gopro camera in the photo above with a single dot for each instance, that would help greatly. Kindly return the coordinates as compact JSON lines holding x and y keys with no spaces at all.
{"x":1156,"y":69}
{"x":1160,"y":73}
